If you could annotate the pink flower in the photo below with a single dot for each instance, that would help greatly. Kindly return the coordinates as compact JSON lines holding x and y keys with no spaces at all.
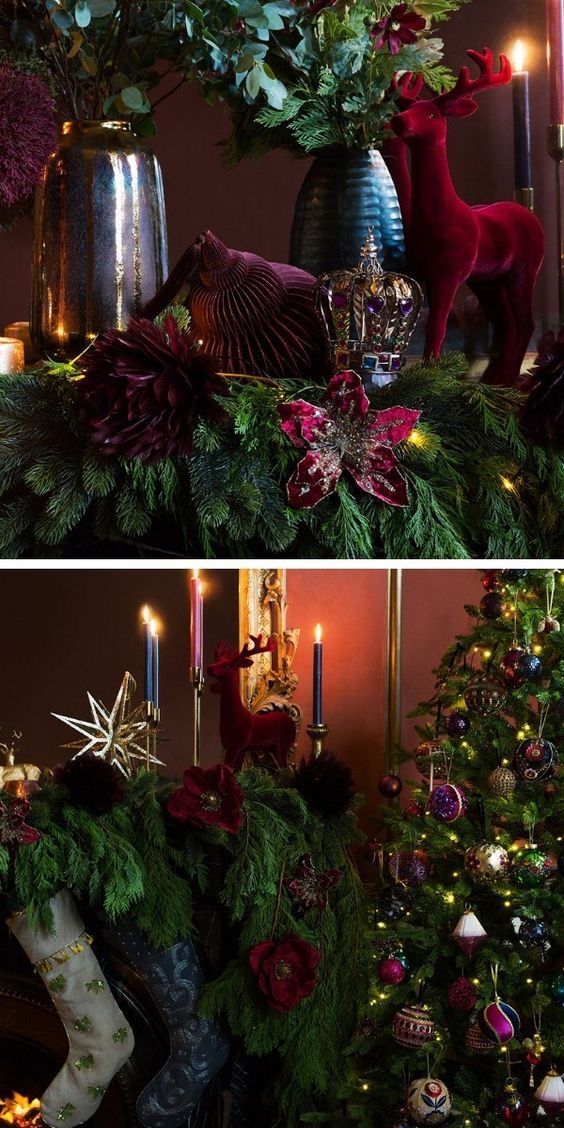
{"x":400,"y":27}
{"x":346,"y":435}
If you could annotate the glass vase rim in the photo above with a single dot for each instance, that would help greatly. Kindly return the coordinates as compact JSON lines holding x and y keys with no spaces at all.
{"x":77,"y":125}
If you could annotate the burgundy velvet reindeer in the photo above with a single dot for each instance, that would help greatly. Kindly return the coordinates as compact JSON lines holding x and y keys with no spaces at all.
{"x":407,"y":89}
{"x":496,"y":249}
{"x":239,"y":729}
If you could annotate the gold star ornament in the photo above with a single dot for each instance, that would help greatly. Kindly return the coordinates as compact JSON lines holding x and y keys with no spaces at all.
{"x":119,"y":735}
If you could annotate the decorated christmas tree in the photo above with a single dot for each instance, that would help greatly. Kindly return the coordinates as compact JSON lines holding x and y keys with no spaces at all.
{"x":465,"y":1015}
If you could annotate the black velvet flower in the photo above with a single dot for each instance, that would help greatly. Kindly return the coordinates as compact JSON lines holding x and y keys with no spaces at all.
{"x":91,"y":783}
{"x":145,"y":389}
{"x":326,"y":784}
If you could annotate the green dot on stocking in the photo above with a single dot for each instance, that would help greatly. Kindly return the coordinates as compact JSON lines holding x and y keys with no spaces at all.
{"x":85,"y":1062}
{"x":83,"y":1024}
{"x":120,"y":1035}
{"x":57,"y":984}
{"x":96,"y":1092}
{"x":95,"y":985}
{"x":66,"y":1112}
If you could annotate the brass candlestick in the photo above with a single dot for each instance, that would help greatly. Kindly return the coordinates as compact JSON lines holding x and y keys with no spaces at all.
{"x":555,"y":145}
{"x":317,"y":735}
{"x":153,"y":718}
{"x":197,"y":683}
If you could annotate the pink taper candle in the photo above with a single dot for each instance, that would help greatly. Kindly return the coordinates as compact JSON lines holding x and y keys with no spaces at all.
{"x":196,"y":620}
{"x":555,"y":48}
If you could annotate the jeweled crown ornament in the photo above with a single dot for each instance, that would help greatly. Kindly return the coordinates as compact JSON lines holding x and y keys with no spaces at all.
{"x":370,"y":316}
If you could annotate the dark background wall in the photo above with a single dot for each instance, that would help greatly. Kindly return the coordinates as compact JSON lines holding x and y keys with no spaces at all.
{"x":251,"y":206}
{"x":68,"y":631}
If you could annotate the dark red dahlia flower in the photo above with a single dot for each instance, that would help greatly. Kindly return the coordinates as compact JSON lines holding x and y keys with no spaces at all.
{"x":285,"y":971}
{"x":145,"y":388}
{"x":91,"y":782}
{"x":208,"y":797}
{"x":28,"y":134}
{"x":400,"y":27}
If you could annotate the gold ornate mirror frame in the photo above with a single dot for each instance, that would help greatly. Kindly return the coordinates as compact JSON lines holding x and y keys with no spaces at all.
{"x":270,"y":682}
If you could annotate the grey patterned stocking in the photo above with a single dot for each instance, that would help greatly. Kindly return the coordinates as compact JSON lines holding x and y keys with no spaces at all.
{"x":199,"y":1048}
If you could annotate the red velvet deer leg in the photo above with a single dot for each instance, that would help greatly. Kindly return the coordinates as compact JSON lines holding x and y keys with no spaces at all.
{"x":440,"y":294}
{"x":501,"y":316}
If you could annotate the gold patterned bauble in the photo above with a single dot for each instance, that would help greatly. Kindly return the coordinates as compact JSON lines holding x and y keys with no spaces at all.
{"x":117,"y":735}
{"x":413,"y":1026}
{"x":485,"y":695}
{"x":20,"y":780}
{"x":502,"y":781}
{"x":432,"y":752}
{"x":486,"y":863}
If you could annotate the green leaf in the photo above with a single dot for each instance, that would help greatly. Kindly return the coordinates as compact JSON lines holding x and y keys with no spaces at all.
{"x":253,"y":81}
{"x":133,"y":98}
{"x":82,"y":13}
{"x":100,"y":8}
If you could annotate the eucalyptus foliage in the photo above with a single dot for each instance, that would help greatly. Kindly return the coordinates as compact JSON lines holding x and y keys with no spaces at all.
{"x":476,"y":487}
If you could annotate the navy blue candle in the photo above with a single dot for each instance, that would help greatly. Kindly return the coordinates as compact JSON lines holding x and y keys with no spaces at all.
{"x":148,"y":655}
{"x":317,"y":677}
{"x":521,"y":121}
{"x":155,"y":664}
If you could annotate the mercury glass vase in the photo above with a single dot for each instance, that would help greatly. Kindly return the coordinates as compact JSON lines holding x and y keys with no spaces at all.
{"x":100,"y":244}
{"x":345,"y":192}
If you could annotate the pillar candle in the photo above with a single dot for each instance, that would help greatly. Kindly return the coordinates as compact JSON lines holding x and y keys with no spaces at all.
{"x":317,"y":677}
{"x":196,"y":622}
{"x":521,"y":120}
{"x":148,"y":654}
{"x":11,"y":356}
{"x":155,"y":663}
{"x":555,"y":48}
{"x":19,"y":330}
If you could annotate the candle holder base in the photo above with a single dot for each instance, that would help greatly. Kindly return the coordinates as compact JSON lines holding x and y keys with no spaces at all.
{"x":153,"y":718}
{"x":525,"y":197}
{"x":317,"y":735}
{"x":197,"y":682}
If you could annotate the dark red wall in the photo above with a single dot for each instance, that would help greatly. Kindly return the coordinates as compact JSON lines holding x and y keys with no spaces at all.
{"x":251,"y":206}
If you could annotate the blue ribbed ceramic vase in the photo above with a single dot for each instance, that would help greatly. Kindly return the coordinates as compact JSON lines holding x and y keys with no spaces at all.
{"x":344,"y":192}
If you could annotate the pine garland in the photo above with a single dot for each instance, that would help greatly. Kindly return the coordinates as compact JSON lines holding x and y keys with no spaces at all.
{"x":477,"y":488}
{"x":136,"y":861}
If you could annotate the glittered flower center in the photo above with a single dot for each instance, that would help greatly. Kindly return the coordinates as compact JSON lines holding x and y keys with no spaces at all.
{"x":283,"y":970}
{"x":210,"y":801}
{"x":347,"y":438}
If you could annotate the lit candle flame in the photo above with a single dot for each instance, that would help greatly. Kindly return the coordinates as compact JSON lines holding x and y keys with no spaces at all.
{"x":318,"y":633}
{"x":518,"y":57}
{"x":154,"y":628}
{"x":146,"y":614}
{"x":195,"y":573}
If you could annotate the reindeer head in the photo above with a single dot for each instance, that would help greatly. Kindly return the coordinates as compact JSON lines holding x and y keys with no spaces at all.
{"x":426,"y":118}
{"x":228,"y":658}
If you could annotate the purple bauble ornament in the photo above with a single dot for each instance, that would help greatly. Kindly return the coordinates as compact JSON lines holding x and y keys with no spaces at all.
{"x":462,"y":994}
{"x":491,"y":605}
{"x":509,"y":667}
{"x":390,"y":785}
{"x":457,"y":724}
{"x":412,"y":867}
{"x":490,"y":581}
{"x":447,"y":803}
{"x":500,"y":1022}
{"x":512,"y":1107}
{"x":392,"y":971}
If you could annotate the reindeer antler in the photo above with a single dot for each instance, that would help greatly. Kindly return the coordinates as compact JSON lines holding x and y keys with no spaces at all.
{"x":408,"y":87}
{"x":259,"y":647}
{"x":467,"y":87}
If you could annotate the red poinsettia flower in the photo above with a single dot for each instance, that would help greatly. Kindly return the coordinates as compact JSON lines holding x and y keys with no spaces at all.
{"x":346,"y":435}
{"x":208,"y":797}
{"x":310,"y":889}
{"x":13,"y":827}
{"x":400,"y":27}
{"x":285,"y":970}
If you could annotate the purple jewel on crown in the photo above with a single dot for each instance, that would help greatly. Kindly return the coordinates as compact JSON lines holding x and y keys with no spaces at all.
{"x":370,"y":316}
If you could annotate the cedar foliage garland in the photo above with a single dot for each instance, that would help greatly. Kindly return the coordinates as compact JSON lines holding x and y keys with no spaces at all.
{"x":134,"y":860}
{"x":58,"y":494}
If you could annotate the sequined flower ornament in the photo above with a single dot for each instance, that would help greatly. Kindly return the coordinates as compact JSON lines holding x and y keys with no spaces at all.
{"x":399,"y":28}
{"x":310,"y":889}
{"x":346,"y":435}
{"x":13,"y":827}
{"x":208,"y":797}
{"x":285,"y":971}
